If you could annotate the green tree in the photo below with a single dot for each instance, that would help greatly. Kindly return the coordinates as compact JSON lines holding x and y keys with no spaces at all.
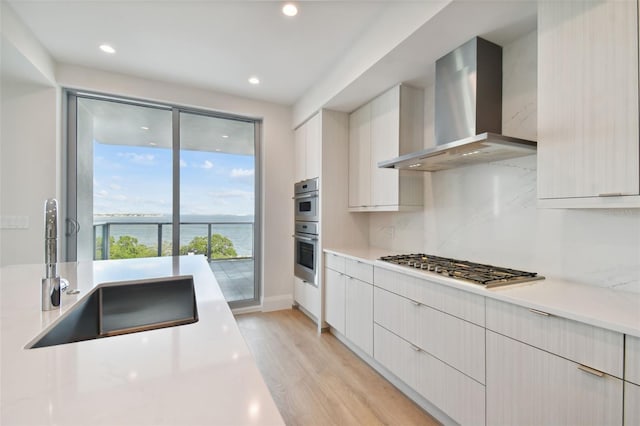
{"x":128,"y":247}
{"x":221,"y":247}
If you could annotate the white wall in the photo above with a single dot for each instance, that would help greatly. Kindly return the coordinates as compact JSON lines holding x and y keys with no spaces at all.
{"x":29,"y":141}
{"x":487,"y":213}
{"x":28,"y":168}
{"x":277,"y":157}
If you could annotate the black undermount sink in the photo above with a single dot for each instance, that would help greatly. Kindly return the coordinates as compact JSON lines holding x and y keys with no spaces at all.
{"x":126,"y":307}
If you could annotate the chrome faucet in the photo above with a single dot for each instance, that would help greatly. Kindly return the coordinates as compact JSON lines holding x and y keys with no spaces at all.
{"x":52,"y":284}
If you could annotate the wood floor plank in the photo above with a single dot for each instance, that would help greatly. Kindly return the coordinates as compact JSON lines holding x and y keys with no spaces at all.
{"x":316,"y":380}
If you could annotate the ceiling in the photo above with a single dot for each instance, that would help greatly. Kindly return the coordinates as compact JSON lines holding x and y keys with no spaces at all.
{"x":211,"y":44}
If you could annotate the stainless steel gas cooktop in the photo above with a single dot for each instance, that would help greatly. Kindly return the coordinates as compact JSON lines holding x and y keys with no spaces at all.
{"x":486,"y":275}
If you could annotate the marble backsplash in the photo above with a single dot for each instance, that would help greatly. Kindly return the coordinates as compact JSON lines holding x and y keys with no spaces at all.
{"x":488,"y":212}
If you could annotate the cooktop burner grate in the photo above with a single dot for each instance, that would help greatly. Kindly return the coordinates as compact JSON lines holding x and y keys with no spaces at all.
{"x":486,"y":275}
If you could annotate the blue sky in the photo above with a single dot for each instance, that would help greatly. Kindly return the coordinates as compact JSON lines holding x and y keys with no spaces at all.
{"x":133,"y":179}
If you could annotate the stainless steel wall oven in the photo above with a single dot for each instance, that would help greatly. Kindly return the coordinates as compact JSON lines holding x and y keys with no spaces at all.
{"x":306,"y":200}
{"x":306,"y":238}
{"x":306,"y":252}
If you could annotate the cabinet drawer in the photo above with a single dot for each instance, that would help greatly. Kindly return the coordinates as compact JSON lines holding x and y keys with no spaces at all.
{"x":335,"y":262}
{"x":592,"y":346}
{"x":461,"y":304}
{"x":632,"y":359}
{"x":529,"y":386}
{"x":460,"y":397}
{"x":454,"y":341}
{"x":631,"y":404}
{"x":360,"y":270}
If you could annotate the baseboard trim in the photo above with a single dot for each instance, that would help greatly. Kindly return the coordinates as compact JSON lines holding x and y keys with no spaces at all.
{"x":277,"y":303}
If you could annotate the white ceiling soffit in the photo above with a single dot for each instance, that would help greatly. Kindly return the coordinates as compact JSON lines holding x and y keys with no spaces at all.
{"x":117,"y":123}
{"x":16,"y":69}
{"x":213,"y":44}
{"x":413,"y":60}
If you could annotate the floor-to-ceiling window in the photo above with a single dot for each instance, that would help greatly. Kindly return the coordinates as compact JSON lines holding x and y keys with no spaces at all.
{"x":147,"y":180}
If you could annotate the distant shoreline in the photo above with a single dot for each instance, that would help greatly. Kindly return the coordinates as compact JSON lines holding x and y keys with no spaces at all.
{"x":128,"y":215}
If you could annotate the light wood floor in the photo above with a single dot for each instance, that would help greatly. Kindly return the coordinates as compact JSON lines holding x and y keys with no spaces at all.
{"x":315,"y":380}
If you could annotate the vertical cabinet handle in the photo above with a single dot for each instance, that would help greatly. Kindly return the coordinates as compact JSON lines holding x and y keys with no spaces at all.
{"x":590,"y":370}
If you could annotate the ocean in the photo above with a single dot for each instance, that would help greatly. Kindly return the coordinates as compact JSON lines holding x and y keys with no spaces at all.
{"x":239,"y":229}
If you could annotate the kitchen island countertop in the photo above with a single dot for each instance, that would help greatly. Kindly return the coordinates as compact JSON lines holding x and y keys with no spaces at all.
{"x":200,"y":373}
{"x":601,"y":307}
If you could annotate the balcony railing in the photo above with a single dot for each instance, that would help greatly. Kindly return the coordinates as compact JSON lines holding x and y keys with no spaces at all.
{"x":158,"y":234}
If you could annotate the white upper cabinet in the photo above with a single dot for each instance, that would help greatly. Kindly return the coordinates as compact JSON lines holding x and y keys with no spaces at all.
{"x":388,"y":126}
{"x":360,"y":157}
{"x":308,"y":149}
{"x":588,"y":134}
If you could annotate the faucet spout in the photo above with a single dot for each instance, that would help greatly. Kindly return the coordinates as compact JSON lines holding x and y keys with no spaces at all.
{"x":51,"y":281}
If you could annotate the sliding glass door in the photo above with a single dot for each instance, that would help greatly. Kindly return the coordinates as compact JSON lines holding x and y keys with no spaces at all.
{"x":217,"y":198}
{"x":149,"y":180}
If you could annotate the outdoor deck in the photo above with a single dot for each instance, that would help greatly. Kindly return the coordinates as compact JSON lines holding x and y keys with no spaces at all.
{"x":235,"y":277}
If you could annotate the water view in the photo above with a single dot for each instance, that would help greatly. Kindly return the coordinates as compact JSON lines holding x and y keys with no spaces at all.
{"x":238,"y":229}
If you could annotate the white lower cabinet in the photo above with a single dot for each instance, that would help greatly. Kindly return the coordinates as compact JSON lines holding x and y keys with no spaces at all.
{"x":457,"y":342}
{"x":334,"y":288}
{"x":459,"y":396}
{"x":359,"y":314}
{"x":480,"y":360}
{"x":348,"y":298}
{"x":307,"y":296}
{"x":631,"y":404}
{"x":529,"y":386}
{"x":632,"y":359}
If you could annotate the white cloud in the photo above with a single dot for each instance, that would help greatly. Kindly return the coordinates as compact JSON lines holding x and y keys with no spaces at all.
{"x":240,"y":173}
{"x":145,"y":159}
{"x":207,"y":164}
{"x":102,"y":194}
{"x":183,"y":163}
{"x":115,"y":187}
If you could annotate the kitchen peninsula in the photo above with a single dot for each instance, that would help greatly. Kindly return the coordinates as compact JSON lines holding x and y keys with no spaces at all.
{"x":200,"y":373}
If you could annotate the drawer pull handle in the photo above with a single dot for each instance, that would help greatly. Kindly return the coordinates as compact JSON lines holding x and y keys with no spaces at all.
{"x":414,"y":303}
{"x":535,"y":311}
{"x":415,"y":348}
{"x":590,"y":370}
{"x":610,"y":194}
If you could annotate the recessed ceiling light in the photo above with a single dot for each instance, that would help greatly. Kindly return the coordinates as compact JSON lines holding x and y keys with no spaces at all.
{"x":106,"y":48}
{"x":152,"y":143}
{"x":144,"y":127}
{"x":290,"y":9}
{"x":225,"y":136}
{"x":217,"y":149}
{"x":254,"y":80}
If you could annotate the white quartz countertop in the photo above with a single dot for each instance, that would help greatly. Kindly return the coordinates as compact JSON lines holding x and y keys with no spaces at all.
{"x":602,"y":307}
{"x":194,"y":374}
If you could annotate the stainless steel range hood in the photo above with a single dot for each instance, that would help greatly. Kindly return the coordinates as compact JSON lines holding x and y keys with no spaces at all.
{"x":468,"y":113}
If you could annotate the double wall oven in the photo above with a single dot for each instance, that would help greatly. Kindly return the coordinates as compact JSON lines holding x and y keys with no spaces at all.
{"x":307,"y":227}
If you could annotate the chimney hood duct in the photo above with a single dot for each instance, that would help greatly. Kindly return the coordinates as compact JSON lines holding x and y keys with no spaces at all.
{"x":468,"y":113}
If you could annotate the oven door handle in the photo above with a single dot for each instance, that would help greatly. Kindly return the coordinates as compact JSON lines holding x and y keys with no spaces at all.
{"x":300,"y":237}
{"x":303,"y":196}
